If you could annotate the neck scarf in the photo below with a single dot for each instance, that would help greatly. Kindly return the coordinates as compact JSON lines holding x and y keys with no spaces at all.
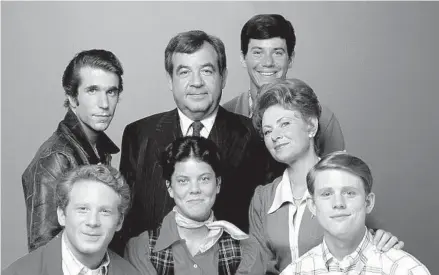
{"x":216,"y":229}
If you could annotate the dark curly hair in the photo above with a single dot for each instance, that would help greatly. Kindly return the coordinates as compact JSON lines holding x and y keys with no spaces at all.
{"x":183,"y":148}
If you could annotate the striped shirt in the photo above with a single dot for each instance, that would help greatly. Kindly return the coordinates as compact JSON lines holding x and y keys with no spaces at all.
{"x":365,"y":260}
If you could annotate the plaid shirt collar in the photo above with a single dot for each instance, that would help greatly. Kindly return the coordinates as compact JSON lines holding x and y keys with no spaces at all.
{"x":74,"y":267}
{"x":355,"y":260}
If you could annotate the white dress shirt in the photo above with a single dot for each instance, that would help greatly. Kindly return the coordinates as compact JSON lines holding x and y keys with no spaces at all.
{"x":284,"y":194}
{"x":186,"y":124}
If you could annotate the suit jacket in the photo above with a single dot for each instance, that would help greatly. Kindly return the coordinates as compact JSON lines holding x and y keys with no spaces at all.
{"x":47,"y":260}
{"x":244,"y":159}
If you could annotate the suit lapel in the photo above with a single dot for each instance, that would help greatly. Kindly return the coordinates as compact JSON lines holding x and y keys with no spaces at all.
{"x":221,"y":134}
{"x":169,"y":124}
{"x":217,"y":133}
{"x":228,"y":136}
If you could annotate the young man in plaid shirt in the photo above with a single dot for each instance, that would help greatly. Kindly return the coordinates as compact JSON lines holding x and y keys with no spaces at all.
{"x":340,"y":185}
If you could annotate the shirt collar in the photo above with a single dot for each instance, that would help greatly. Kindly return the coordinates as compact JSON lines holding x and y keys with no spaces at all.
{"x":75,"y":267}
{"x":284,"y":193}
{"x":186,"y":122}
{"x":168,"y":234}
{"x":104,"y":144}
{"x":352,"y":259}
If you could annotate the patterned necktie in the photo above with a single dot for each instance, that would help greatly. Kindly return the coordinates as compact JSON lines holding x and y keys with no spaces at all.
{"x":197,"y":126}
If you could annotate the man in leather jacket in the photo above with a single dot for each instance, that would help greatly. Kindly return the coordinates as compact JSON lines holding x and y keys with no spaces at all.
{"x":92,"y":82}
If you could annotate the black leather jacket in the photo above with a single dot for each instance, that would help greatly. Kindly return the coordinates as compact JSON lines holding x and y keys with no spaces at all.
{"x":67,"y":148}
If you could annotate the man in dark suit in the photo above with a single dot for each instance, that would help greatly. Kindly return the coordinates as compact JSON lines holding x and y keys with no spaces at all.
{"x":196,"y":69}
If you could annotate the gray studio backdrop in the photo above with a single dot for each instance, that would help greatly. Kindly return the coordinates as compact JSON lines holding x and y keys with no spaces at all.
{"x":374,"y":64}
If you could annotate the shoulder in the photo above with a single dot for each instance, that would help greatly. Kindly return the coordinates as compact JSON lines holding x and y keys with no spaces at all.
{"x":140,"y":240}
{"x":326,"y":110}
{"x":235,"y":122}
{"x":28,"y":264}
{"x":120,"y":265}
{"x":268,"y":190}
{"x":138,"y":245}
{"x":231,"y":105}
{"x":327,"y":115}
{"x":313,"y":253}
{"x":149,"y":123}
{"x":250,"y":246}
{"x":402,"y":262}
{"x":312,"y":261}
{"x":251,"y":257}
{"x":264,"y":194}
{"x":51,"y":160}
{"x":56,"y":143}
{"x":149,"y":128}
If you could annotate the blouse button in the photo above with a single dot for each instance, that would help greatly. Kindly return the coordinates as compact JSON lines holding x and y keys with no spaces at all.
{"x":195,"y":266}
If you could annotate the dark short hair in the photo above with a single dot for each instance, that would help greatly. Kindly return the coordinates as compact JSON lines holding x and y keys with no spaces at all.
{"x":187,"y":147}
{"x":99,"y":173}
{"x":341,"y":160}
{"x":266,"y":26}
{"x":292,"y":94}
{"x":190,"y":42}
{"x":99,"y":59}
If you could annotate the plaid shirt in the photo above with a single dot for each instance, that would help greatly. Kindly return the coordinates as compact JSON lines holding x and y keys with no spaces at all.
{"x":229,"y":255}
{"x":365,"y":260}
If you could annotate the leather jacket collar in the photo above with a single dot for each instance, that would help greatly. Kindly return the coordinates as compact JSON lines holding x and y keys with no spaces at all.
{"x":104,"y":144}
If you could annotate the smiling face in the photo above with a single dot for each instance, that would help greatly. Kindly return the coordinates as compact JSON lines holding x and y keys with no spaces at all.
{"x":98,"y":95}
{"x":287,"y":134}
{"x":196,"y":82}
{"x":90,"y":219}
{"x":194,"y":187}
{"x":266,"y":60}
{"x":340,"y":203}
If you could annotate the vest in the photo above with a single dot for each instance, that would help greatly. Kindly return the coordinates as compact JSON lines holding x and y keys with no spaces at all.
{"x":228,"y":262}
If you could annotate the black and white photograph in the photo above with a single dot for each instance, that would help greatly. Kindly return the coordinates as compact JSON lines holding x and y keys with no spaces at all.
{"x":219,"y":137}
